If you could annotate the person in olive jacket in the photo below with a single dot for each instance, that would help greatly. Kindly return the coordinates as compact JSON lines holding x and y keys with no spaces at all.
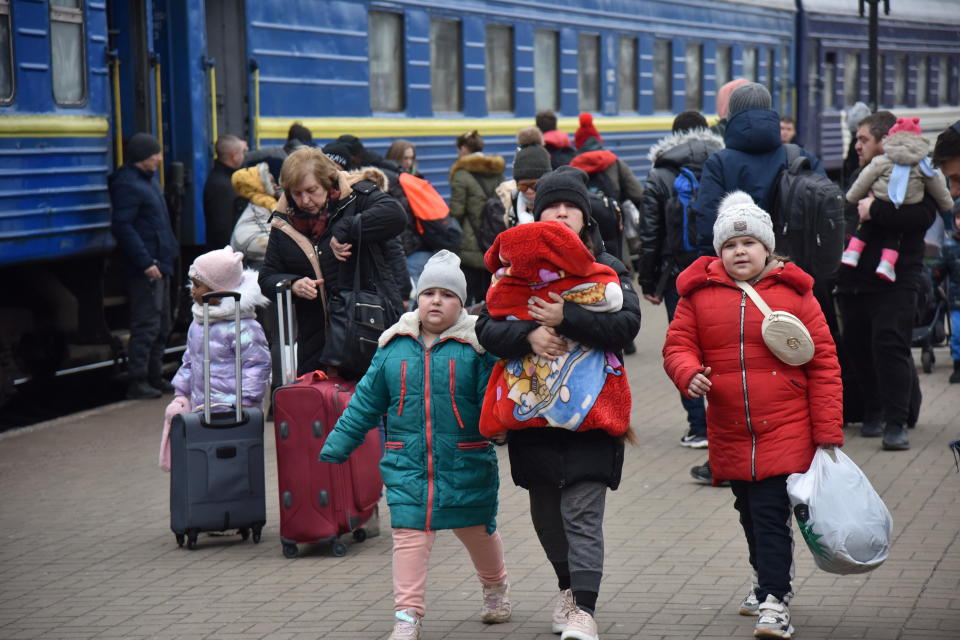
{"x":429,"y":376}
{"x":312,"y":242}
{"x":568,"y":472}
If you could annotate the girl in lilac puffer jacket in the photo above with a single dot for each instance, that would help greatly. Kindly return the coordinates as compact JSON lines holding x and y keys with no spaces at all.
{"x":220,"y":270}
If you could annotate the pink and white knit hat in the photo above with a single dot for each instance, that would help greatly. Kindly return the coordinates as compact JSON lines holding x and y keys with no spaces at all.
{"x":221,"y":269}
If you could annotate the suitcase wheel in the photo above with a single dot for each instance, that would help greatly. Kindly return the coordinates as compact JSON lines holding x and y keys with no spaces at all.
{"x":192,"y":539}
{"x":339,"y":549}
{"x":244,"y":534}
{"x":927,"y":360}
{"x":290,"y":550}
{"x":180,"y":539}
{"x":360,"y":535}
{"x":257,"y":530}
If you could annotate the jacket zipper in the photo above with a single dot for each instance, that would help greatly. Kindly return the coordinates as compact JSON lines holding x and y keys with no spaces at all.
{"x":453,"y":391}
{"x":403,"y":386}
{"x":746,"y":396}
{"x":429,"y":430}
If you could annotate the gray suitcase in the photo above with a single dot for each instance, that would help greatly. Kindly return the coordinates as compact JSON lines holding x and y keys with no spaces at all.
{"x":216,"y":460}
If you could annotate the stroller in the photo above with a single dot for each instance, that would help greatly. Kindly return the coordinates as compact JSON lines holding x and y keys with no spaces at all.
{"x":930,"y":328}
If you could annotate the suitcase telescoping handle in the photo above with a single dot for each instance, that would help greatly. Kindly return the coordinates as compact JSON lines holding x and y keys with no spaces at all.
{"x":206,"y":352}
{"x":288,"y":363}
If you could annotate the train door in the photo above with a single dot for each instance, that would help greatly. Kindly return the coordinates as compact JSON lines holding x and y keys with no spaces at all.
{"x":133,"y":57}
{"x":227,"y":49}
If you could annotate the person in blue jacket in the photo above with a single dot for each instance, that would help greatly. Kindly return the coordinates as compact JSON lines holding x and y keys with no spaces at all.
{"x":148,"y":249}
{"x":429,"y":377}
{"x":751,"y":160}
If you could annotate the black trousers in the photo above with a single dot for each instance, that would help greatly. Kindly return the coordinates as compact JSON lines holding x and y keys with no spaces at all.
{"x":877,"y":331}
{"x":765,"y":516}
{"x":149,"y":303}
{"x":478,"y":281}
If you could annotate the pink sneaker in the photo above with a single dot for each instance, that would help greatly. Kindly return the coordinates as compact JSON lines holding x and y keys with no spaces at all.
{"x":887,"y":271}
{"x":496,"y":603}
{"x":580,"y":626}
{"x":562,"y":610}
{"x":850,"y":258}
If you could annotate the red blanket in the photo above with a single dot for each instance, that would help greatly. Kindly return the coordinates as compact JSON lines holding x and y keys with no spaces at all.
{"x":583,"y":389}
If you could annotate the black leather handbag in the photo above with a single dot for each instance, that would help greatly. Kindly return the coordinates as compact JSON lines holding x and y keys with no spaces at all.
{"x":357,"y":317}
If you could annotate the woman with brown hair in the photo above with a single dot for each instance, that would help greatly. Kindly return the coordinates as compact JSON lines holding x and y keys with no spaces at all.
{"x":473,"y":180}
{"x":315,"y":229}
{"x":404,"y":154}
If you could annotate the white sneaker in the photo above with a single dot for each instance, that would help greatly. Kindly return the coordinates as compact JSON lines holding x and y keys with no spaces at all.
{"x":850,"y":258}
{"x":409,"y":626}
{"x":774,"y":619}
{"x":580,"y":626}
{"x":887,"y":271}
{"x":496,"y":603}
{"x":562,"y":610}
{"x":750,"y":604}
{"x":693,"y":441}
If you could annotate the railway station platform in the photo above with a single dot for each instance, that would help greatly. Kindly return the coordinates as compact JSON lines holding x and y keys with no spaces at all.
{"x":86,"y":550}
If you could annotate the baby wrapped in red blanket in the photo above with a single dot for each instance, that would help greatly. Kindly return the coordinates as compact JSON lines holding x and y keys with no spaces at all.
{"x":583,"y":389}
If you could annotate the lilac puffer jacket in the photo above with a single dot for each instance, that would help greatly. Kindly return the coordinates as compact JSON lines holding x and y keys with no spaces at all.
{"x":254,"y":352}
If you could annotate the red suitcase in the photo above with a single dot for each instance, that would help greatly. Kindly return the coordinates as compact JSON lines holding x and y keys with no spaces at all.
{"x":319,"y":501}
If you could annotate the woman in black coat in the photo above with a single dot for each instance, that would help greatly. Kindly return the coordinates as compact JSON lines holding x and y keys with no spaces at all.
{"x":567,"y":472}
{"x":313,"y":242}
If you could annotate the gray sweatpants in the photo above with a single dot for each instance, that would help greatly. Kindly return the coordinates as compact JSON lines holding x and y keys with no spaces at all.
{"x":569,"y":523}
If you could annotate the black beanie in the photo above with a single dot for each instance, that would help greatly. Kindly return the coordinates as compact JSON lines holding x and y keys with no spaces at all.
{"x":566,"y":184}
{"x":140,"y":147}
{"x":339,"y":152}
{"x":531,"y":163}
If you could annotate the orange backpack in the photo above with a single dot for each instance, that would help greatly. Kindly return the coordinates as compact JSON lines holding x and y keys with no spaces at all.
{"x":434,"y":224}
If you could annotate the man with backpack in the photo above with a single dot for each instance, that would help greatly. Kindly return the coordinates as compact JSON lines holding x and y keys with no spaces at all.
{"x":667,"y":234}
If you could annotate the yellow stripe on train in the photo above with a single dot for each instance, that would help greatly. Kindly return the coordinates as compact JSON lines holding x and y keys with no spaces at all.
{"x":53,"y":126}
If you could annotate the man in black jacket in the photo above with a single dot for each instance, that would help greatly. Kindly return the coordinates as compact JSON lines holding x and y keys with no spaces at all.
{"x":878,"y":315}
{"x":221,"y":204}
{"x":148,"y":248}
{"x":664,"y":249}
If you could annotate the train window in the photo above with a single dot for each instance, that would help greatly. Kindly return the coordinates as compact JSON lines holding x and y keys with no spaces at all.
{"x":446,"y":69}
{"x":829,"y":80}
{"x":546,"y":65}
{"x":662,"y":75}
{"x":851,"y":78}
{"x":694,"y":75}
{"x":386,"y":61}
{"x":813,"y":79}
{"x":900,"y":80}
{"x":499,"y":67}
{"x":771,"y":71}
{"x":67,"y":51}
{"x":943,"y":81}
{"x":750,"y":64}
{"x":627,"y":74}
{"x":588,"y":72}
{"x":724,"y":65}
{"x":6,"y":53}
{"x":922,"y":81}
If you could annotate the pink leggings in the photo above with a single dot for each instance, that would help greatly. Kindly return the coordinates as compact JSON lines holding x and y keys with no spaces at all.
{"x":411,"y":553}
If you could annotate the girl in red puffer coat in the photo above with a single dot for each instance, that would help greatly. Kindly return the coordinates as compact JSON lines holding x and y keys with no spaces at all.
{"x":765,"y":418}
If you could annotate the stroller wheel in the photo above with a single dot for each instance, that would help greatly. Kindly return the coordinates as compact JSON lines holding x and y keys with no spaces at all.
{"x":927,"y":360}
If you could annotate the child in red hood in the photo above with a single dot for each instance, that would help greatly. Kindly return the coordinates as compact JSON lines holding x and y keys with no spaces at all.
{"x":765,"y":418}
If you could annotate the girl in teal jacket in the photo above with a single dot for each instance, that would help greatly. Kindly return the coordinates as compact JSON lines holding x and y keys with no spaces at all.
{"x":428,"y":377}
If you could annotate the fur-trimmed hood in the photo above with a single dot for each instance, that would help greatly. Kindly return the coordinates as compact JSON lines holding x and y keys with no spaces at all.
{"x":685,"y":148}
{"x":906,"y":148}
{"x":478,"y":163}
{"x":463,"y":330}
{"x":250,"y":299}
{"x":256,"y":185}
{"x":370,"y":174}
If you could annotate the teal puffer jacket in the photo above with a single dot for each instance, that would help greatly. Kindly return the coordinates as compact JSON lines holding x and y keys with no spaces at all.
{"x":440,"y":473}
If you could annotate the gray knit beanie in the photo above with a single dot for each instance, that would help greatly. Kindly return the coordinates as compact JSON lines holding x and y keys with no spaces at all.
{"x":750,"y":96}
{"x":141,"y":146}
{"x":739,"y":215}
{"x":443,"y":271}
{"x":531,"y":163}
{"x":855,"y":114}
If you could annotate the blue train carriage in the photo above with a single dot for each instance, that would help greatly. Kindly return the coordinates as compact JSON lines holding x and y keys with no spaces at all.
{"x":919,"y":45}
{"x":407,"y":69}
{"x":56,"y":155}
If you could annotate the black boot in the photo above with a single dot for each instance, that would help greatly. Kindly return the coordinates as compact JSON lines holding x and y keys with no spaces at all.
{"x":895,"y":438}
{"x":955,"y":376}
{"x":142,"y":390}
{"x":872,"y":427}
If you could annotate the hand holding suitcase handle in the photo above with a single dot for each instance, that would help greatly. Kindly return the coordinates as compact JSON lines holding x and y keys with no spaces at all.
{"x":207,"y":297}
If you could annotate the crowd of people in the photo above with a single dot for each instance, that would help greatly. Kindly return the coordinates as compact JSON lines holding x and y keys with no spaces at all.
{"x":699,"y":235}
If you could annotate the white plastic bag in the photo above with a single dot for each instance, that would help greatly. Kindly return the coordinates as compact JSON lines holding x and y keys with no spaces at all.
{"x":843,"y":520}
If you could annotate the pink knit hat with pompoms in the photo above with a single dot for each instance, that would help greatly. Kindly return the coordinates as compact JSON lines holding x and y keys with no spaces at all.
{"x":908,"y":125}
{"x":221,"y":269}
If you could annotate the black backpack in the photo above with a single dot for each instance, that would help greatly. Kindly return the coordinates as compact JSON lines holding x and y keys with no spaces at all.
{"x":679,"y":219}
{"x":492,"y":215}
{"x":808,"y":217}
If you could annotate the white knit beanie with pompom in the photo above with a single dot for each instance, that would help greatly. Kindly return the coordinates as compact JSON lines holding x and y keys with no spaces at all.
{"x":739,"y":215}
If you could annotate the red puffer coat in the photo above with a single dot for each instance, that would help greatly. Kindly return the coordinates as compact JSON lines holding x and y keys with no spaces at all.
{"x":764,"y":417}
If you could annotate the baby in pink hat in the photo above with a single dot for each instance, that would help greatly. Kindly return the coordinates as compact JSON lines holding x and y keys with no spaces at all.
{"x":901,"y":176}
{"x":220,"y":270}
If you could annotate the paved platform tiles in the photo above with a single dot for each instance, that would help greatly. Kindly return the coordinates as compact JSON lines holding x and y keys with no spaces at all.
{"x":87,"y":553}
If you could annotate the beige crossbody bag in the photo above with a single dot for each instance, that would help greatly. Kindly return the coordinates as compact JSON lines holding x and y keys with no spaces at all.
{"x":783,"y":333}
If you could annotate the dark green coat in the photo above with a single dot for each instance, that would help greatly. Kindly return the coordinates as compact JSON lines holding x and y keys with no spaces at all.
{"x":472,"y":177}
{"x":440,"y":473}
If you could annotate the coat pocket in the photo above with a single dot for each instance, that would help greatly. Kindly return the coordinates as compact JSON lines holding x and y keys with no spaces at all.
{"x":403,"y":472}
{"x":473,"y":476}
